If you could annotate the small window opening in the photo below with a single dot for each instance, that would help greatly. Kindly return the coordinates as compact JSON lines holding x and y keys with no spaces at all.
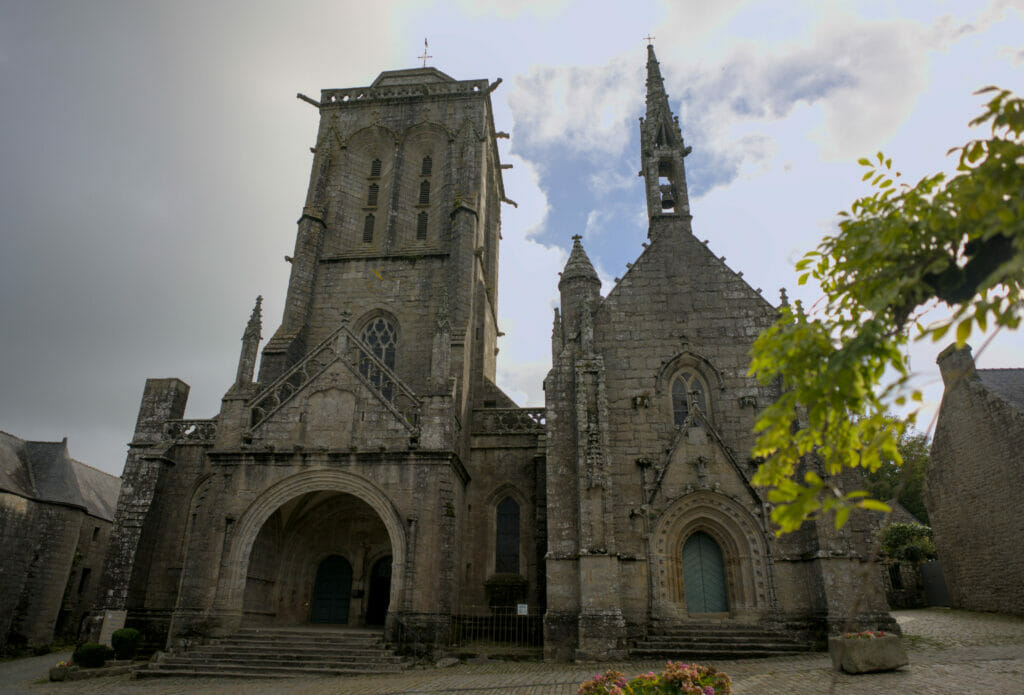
{"x":428,"y":164}
{"x":83,"y":582}
{"x":368,"y":229}
{"x":371,"y":198}
{"x":668,"y":194}
{"x":421,"y":226}
{"x":95,"y":532}
{"x":687,"y":394}
{"x":425,"y":193}
{"x":375,"y":168}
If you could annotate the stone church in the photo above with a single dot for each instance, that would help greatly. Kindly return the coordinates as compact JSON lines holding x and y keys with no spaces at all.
{"x":372,"y":473}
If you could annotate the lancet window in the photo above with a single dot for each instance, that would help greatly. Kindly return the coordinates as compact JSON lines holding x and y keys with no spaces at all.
{"x":688,"y":392}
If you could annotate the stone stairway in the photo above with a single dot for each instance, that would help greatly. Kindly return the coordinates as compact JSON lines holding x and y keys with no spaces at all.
{"x":282,"y":653}
{"x":718,"y":641}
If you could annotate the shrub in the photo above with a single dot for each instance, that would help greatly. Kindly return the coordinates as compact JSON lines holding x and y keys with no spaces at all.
{"x":677,"y":679}
{"x":90,"y":655}
{"x":125,"y":642}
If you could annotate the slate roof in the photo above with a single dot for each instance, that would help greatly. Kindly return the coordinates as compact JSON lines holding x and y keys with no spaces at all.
{"x":1006,"y":383}
{"x":44,"y":471}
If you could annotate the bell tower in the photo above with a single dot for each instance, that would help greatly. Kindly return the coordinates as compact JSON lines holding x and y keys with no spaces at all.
{"x":662,"y":150}
{"x":398,"y":236}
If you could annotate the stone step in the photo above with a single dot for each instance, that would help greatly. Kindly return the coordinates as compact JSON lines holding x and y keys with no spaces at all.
{"x":723,"y":639}
{"x":290,"y":651}
{"x":697,"y":653}
{"x":244,"y":657}
{"x":248,"y":671}
{"x":282,"y":653}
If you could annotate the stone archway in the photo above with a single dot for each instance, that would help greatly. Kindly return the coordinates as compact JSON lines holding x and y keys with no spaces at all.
{"x":745,"y":567}
{"x":314,"y":488}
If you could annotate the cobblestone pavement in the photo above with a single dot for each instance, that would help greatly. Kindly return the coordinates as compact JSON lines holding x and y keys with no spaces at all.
{"x":954,"y":652}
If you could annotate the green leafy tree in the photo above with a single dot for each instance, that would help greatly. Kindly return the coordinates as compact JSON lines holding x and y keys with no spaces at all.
{"x":899,"y":251}
{"x":910,"y":542}
{"x":903,"y":483}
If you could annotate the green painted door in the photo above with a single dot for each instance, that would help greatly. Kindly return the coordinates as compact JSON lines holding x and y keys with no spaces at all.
{"x":332,"y":591}
{"x":704,"y":575}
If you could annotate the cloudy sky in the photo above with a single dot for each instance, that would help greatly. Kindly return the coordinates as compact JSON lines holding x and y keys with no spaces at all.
{"x":154,"y":160}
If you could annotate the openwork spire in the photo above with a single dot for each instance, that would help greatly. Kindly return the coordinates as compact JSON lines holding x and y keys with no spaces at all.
{"x":662,"y":149}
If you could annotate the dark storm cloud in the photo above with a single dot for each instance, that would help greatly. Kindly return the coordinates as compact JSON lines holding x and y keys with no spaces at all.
{"x":152,"y":167}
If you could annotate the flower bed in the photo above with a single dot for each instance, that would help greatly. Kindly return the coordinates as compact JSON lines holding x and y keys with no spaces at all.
{"x":677,"y":679}
{"x":867,"y":652}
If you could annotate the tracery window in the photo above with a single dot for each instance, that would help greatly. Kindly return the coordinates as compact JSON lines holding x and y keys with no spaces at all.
{"x":687,"y":391}
{"x":380,"y":337}
{"x":506,"y":543}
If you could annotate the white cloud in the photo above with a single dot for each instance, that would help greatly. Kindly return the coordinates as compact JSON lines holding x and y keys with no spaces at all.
{"x":583,"y":108}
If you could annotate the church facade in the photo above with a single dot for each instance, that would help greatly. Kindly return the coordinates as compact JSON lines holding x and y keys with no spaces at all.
{"x":372,"y":473}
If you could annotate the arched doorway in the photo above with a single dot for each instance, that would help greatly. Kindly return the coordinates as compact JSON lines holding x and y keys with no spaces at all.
{"x":380,"y":592}
{"x":332,"y":591}
{"x":704,"y":575}
{"x":313,"y":562}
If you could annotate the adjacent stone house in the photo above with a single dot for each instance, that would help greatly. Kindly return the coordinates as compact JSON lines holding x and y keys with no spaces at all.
{"x":55,"y":519}
{"x":374,"y":474}
{"x":974,"y":490}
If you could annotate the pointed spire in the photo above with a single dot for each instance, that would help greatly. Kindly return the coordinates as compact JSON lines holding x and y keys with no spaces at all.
{"x":578,"y":266}
{"x":662,"y":149}
{"x":255,"y":325}
{"x":250,"y":345}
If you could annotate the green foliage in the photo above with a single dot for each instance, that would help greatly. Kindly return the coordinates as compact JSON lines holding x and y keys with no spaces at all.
{"x":910,"y":542}
{"x":959,"y":240}
{"x":887,"y":480}
{"x":91,"y":655}
{"x":677,"y":679}
{"x":125,"y":642}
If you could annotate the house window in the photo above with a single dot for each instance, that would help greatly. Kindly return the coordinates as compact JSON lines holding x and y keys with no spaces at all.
{"x":506,"y":546}
{"x":368,"y":229}
{"x":375,"y":168}
{"x":425,"y":193}
{"x":687,"y":392}
{"x":371,"y":198}
{"x":421,"y":226}
{"x":428,"y":164}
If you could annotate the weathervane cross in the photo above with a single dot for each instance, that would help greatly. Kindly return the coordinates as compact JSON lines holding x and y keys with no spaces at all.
{"x":649,"y":39}
{"x":424,"y":56}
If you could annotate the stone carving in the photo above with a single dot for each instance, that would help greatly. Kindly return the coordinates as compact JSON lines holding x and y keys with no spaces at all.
{"x":508,"y":420}
{"x":343,"y":346}
{"x":191,"y":430}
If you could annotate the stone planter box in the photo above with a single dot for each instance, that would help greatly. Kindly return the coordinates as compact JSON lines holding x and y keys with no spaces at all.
{"x":867,"y":655}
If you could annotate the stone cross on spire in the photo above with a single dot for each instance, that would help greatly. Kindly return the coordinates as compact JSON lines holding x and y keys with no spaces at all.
{"x":424,"y":56}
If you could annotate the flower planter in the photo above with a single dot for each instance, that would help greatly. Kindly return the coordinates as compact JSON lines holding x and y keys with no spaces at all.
{"x":867,"y":654}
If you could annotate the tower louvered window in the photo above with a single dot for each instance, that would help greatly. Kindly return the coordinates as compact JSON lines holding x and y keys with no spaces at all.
{"x":421,"y":226}
{"x":425,"y":193}
{"x":371,"y":198}
{"x":368,"y":229}
{"x":428,"y":164}
{"x":375,"y":168}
